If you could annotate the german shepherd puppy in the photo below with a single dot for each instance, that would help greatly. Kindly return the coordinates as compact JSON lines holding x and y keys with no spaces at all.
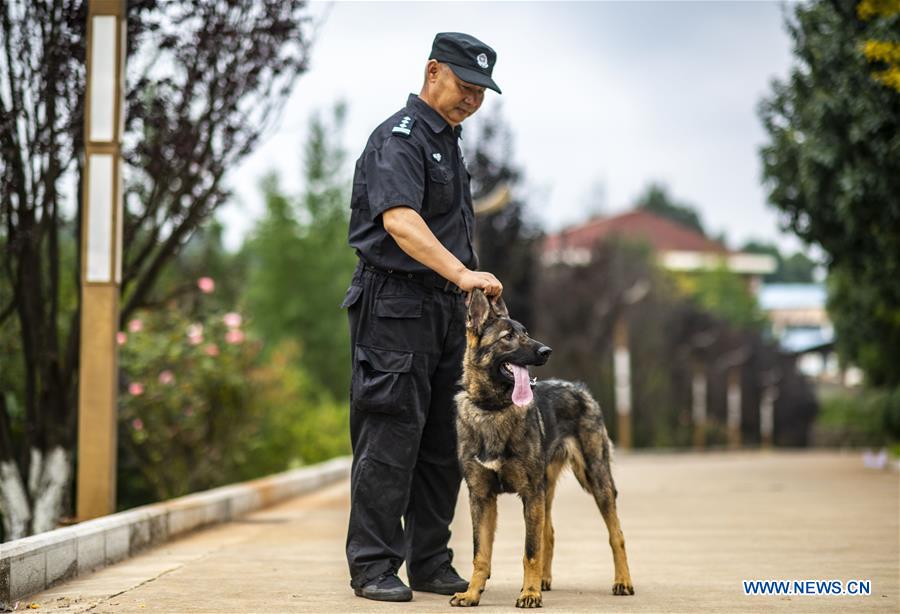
{"x":516,"y":435}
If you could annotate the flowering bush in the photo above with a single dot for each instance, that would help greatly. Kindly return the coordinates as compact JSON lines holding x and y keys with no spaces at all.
{"x":185,"y":412}
{"x":199,"y":407}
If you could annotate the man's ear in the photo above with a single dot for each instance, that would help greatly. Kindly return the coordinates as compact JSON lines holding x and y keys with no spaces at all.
{"x":499,"y":307}
{"x":479,"y":311}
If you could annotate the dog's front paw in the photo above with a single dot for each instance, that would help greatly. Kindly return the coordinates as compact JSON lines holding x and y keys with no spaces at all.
{"x":529,"y":599}
{"x":465,"y":600}
{"x":545,"y":583}
{"x":622,"y":588}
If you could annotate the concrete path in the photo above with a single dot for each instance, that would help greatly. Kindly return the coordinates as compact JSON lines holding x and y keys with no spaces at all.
{"x":695,"y":526}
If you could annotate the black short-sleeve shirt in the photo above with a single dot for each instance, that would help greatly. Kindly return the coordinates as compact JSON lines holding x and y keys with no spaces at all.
{"x":413,"y":159}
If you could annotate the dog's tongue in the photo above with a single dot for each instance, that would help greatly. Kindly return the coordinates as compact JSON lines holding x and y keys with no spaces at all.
{"x":522,"y":394}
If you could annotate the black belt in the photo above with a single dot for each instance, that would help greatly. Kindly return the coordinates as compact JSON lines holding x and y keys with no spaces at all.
{"x":427,"y":279}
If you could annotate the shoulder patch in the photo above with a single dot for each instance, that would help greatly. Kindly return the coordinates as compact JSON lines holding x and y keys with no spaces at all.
{"x":404,"y":127}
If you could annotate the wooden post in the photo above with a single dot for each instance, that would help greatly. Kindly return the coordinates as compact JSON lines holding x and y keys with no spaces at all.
{"x":767,"y":416}
{"x":622,"y":378}
{"x":101,"y":259}
{"x":734,"y":407}
{"x":698,"y":405}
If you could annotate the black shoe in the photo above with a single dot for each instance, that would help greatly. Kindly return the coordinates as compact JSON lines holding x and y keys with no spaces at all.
{"x":445,"y":581}
{"x":386,"y":587}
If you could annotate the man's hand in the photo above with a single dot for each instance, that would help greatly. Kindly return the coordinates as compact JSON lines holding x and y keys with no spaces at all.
{"x":469,"y":280}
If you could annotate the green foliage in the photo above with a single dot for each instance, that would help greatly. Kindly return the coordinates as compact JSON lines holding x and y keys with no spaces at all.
{"x":796,"y":268}
{"x":832,"y":166}
{"x":866,"y":323}
{"x":656,"y":199}
{"x":867,"y":417}
{"x":204,"y":255}
{"x":725,"y":294}
{"x":303,"y":423}
{"x":200,"y":407}
{"x":300,"y":265}
{"x":186,"y":412}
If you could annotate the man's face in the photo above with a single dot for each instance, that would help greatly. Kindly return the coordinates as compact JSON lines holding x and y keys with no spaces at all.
{"x":453,"y":98}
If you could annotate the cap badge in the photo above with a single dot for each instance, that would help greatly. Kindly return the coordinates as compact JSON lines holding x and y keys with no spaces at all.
{"x":436,"y":156}
{"x":482,"y":60}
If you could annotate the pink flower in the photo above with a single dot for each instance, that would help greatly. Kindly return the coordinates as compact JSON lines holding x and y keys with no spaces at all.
{"x":121,"y":338}
{"x":135,"y":389}
{"x":211,"y":349}
{"x":206,"y":285}
{"x":137,"y":424}
{"x":234,"y":336}
{"x":135,"y":326}
{"x":195,"y":334}
{"x":232,"y":319}
{"x":166,"y":377}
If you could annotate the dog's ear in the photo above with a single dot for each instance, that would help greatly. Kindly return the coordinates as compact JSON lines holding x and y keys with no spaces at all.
{"x":499,"y":307}
{"x":479,"y":311}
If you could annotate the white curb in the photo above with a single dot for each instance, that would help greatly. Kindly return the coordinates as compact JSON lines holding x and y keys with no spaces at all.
{"x":33,"y":564}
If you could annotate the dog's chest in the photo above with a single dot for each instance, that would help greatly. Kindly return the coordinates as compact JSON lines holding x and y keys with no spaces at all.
{"x":496,"y":440}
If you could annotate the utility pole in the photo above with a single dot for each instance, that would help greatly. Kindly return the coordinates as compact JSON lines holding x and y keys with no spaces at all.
{"x":101,"y":258}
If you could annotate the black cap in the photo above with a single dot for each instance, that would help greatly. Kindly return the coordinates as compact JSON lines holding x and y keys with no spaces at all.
{"x":469,"y":58}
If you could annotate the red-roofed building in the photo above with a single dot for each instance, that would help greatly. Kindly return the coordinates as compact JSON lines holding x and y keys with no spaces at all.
{"x":678,"y":247}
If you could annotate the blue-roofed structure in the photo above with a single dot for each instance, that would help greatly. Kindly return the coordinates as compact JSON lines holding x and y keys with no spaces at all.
{"x":801,"y":325}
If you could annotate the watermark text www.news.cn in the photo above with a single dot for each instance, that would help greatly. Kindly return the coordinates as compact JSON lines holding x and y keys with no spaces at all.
{"x":807,"y":587}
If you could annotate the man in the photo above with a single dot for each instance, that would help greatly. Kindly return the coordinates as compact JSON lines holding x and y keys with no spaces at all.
{"x":412,"y":224}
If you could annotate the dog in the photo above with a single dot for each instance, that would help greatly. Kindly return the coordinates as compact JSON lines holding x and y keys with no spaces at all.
{"x":515,"y":435}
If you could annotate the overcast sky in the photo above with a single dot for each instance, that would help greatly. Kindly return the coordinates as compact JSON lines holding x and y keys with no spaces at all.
{"x":614,"y":94}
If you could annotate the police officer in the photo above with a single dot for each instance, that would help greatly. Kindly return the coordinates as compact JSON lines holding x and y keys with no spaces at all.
{"x":412,"y":225}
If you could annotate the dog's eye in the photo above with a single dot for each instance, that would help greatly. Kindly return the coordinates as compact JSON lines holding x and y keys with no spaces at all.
{"x":504,"y":334}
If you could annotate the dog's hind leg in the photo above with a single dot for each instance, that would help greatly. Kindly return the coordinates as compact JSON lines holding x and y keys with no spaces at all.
{"x":484,"y":526}
{"x":530,"y":597}
{"x":595,"y":477}
{"x":553,"y":471}
{"x":606,"y":501}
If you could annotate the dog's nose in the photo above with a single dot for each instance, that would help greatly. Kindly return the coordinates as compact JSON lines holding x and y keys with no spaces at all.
{"x":544,"y":352}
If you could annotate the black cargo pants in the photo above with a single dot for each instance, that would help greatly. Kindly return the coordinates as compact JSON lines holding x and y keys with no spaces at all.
{"x":408,"y":340}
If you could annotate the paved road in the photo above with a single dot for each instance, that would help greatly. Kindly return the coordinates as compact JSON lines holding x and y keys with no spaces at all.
{"x":695,"y":526}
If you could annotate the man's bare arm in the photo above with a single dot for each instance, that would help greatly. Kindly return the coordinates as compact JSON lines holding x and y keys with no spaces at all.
{"x":415,"y":238}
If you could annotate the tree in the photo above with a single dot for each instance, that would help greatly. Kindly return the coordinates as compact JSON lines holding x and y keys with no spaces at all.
{"x":796,"y":268}
{"x":669,"y":335}
{"x":725,"y":294}
{"x":206,"y":80}
{"x":505,"y":242}
{"x":657,"y":200}
{"x":832,"y":166}
{"x":300,"y":264}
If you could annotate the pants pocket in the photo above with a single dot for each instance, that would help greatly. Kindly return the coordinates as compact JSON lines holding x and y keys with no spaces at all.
{"x":382,"y":380}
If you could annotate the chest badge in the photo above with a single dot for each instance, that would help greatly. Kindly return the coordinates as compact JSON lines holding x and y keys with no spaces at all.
{"x":436,"y":156}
